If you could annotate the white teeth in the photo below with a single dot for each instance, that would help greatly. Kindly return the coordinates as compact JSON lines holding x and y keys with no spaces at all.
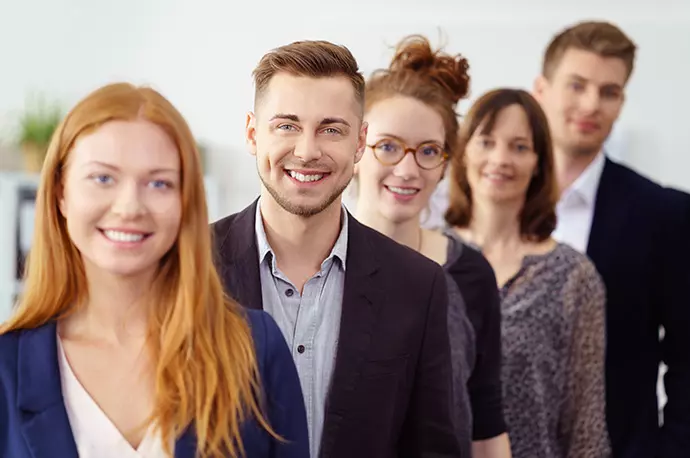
{"x":403,"y":191}
{"x":495,"y":176}
{"x":304,"y":178}
{"x":117,"y":236}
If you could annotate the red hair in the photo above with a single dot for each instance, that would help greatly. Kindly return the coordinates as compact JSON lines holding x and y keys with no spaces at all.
{"x":206,"y":370}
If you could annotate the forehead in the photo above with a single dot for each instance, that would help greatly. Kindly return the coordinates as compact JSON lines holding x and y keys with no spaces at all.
{"x":407,"y":118}
{"x":511,"y":121}
{"x":592,"y":67}
{"x":311,"y":99}
{"x":138,"y":143}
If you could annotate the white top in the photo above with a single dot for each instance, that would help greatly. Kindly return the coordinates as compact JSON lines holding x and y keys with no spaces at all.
{"x":575,"y":209}
{"x":95,"y":435}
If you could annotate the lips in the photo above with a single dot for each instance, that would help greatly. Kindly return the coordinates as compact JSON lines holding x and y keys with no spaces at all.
{"x":587,"y":126}
{"x":125,"y":236}
{"x":307,"y":176}
{"x":402,"y":190}
{"x":496,"y":176}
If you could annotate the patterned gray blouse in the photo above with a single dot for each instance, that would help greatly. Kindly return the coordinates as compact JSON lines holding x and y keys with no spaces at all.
{"x":553,"y":357}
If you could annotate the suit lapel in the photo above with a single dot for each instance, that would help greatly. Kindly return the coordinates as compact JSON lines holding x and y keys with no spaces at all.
{"x":361,"y":302}
{"x":238,"y":259}
{"x":45,"y":424}
{"x":609,"y":219}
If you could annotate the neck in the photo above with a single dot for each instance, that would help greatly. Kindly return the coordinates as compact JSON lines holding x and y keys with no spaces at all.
{"x":296,"y":239}
{"x":570,"y":166}
{"x":495,"y":225}
{"x":116,"y":309}
{"x":406,"y":233}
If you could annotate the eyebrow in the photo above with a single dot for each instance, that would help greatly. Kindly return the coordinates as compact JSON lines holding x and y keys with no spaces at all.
{"x":324,"y":121}
{"x":403,"y":141}
{"x":575,"y":76}
{"x":112,"y":167}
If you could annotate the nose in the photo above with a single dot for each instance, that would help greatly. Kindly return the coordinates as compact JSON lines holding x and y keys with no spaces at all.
{"x":128,"y":202}
{"x":407,"y":168}
{"x":500,"y":154}
{"x":307,"y":149}
{"x":590,"y":100}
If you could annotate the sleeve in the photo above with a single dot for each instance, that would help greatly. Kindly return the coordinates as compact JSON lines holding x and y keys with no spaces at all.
{"x":428,"y":430}
{"x":477,"y":283}
{"x":286,"y":408}
{"x":674,"y":300}
{"x":582,"y":423}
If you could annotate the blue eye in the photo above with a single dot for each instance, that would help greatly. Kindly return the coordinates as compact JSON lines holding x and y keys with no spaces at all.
{"x":387,"y":147}
{"x":161,"y":184}
{"x":102,"y":179}
{"x":431,"y":151}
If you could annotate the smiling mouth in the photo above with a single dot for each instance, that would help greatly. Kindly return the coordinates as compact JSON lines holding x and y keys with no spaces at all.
{"x":496,"y":176}
{"x":402,"y":191}
{"x":308,"y":177}
{"x":125,"y":237}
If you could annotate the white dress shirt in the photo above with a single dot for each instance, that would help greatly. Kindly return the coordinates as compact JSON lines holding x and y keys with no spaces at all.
{"x":575,"y":209}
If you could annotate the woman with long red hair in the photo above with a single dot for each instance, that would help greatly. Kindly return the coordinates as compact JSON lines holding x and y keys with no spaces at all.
{"x":124,"y":343}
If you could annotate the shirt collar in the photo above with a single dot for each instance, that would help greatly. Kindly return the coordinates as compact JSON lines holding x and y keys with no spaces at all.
{"x":338,"y":251}
{"x":586,"y":185}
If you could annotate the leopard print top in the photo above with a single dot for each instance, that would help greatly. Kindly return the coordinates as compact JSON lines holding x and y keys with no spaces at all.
{"x":553,"y":357}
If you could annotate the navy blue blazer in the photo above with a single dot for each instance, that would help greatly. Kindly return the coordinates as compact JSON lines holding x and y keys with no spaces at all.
{"x":639,"y":245}
{"x":34,"y":422}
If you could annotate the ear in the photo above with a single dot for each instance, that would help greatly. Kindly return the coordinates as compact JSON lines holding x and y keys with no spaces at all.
{"x":60,"y":194}
{"x":250,"y":133}
{"x":361,"y":142}
{"x":540,"y":84}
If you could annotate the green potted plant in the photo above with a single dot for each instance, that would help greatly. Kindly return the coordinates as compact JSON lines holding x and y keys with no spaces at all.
{"x":36,"y":127}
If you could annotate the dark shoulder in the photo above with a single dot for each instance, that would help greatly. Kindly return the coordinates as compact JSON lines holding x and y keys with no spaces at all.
{"x":396,"y":256}
{"x":632,"y":181}
{"x":221,"y":227}
{"x":9,"y":356}
{"x":471,"y":262}
{"x":266,"y":334}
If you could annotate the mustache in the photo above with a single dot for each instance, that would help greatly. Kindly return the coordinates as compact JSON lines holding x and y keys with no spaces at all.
{"x":291,"y":164}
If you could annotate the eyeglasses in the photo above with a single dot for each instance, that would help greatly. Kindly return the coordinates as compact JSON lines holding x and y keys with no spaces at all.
{"x":390,"y":151}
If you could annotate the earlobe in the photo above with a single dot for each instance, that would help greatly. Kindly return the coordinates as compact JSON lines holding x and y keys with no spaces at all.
{"x":538,"y":87}
{"x":361,"y":141}
{"x":250,"y":133}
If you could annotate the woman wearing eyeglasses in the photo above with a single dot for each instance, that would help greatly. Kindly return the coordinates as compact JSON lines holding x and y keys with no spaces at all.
{"x":410,"y":108}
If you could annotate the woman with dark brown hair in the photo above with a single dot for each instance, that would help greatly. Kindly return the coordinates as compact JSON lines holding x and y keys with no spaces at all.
{"x":502,"y":201}
{"x":410,"y":108}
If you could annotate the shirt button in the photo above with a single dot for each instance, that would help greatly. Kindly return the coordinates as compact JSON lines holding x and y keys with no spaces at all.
{"x":300,"y":349}
{"x":289,"y":293}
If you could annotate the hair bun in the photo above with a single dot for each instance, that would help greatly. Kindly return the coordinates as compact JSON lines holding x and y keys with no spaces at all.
{"x":414,"y":53}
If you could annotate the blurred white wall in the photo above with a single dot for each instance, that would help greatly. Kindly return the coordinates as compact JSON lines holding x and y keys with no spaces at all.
{"x":200,"y":54}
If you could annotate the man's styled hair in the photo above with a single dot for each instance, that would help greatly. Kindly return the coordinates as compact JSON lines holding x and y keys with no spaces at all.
{"x":598,"y":37}
{"x":314,"y":59}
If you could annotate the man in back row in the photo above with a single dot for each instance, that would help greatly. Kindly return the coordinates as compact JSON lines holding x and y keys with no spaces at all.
{"x":634,"y":230}
{"x":364,"y":316}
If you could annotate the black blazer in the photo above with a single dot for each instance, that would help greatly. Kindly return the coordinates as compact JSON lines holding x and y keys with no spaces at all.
{"x":637,"y":247}
{"x":390,"y":394}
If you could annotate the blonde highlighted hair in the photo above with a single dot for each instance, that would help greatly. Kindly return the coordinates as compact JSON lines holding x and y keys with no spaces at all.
{"x":206,"y":373}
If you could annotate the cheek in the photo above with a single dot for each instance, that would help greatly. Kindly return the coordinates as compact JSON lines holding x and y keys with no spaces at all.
{"x":166,"y":211}
{"x":370,"y":172}
{"x":431,"y":180}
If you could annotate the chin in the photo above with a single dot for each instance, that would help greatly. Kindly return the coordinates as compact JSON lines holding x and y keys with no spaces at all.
{"x":400,"y":215}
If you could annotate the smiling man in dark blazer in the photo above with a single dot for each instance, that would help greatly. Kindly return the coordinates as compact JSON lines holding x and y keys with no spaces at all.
{"x":634,"y":230}
{"x":364,"y":316}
